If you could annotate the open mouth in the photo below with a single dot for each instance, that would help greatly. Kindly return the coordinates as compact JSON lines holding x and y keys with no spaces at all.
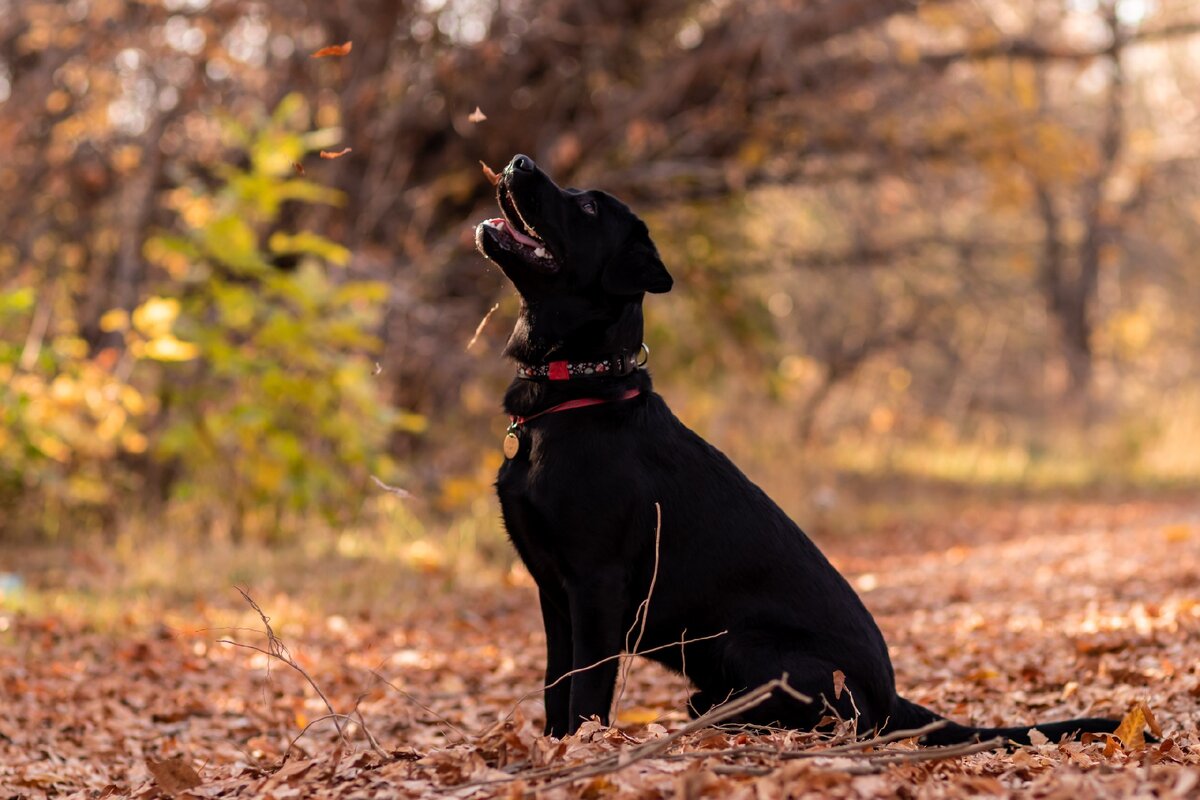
{"x":514,"y":234}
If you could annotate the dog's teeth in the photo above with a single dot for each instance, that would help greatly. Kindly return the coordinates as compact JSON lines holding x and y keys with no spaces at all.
{"x":540,"y":252}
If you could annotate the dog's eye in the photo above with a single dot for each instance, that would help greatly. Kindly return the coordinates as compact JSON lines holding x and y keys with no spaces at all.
{"x":589,"y":207}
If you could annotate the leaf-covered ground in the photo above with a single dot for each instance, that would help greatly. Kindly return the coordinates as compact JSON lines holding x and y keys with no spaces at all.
{"x":999,"y":616}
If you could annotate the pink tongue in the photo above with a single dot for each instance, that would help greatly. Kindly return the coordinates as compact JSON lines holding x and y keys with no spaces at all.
{"x":521,"y":237}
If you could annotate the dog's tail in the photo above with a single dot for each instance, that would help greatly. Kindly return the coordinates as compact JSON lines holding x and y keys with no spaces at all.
{"x":907,"y":715}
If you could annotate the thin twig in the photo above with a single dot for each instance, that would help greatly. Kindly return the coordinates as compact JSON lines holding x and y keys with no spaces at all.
{"x":335,"y":717}
{"x":617,"y":761}
{"x":652,"y":748}
{"x":850,"y":750}
{"x":936,"y":753}
{"x":438,"y":717}
{"x":642,"y":613}
{"x":605,"y":660}
{"x":278,"y":650}
{"x":482,"y":324}
{"x":387,"y":487}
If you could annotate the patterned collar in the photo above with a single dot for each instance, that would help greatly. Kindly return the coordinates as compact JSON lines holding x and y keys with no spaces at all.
{"x":563,"y":370}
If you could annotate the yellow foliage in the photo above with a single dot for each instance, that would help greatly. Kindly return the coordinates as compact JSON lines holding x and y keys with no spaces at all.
{"x":168,"y":348}
{"x":133,"y":442}
{"x":115,"y":320}
{"x":155,"y":317}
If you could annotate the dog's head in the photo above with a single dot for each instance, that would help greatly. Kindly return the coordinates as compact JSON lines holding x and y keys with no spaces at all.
{"x":578,"y":258}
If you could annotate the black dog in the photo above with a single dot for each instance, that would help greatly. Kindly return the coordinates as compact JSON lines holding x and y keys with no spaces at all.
{"x":592,"y":449}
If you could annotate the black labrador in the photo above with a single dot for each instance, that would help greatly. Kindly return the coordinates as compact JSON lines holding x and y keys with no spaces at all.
{"x":592,"y":449}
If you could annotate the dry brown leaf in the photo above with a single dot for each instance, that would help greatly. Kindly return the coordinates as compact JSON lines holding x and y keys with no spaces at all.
{"x":477,"y":115}
{"x":493,"y":177}
{"x":1132,"y":726}
{"x":174,"y":774}
{"x":190,"y":675}
{"x":338,"y":154}
{"x":1151,"y":722}
{"x":839,"y":683}
{"x":334,"y":50}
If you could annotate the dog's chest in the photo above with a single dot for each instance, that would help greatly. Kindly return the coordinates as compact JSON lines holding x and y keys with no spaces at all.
{"x":548,"y":490}
{"x":529,"y":527}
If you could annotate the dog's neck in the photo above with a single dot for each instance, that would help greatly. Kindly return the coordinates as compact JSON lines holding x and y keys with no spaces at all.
{"x":574,"y":331}
{"x":560,"y":332}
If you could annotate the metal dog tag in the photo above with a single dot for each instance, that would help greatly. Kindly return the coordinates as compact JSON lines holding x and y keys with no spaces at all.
{"x":512,"y":445}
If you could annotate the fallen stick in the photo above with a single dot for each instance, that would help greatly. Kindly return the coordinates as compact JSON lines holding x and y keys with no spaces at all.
{"x":617,"y":761}
{"x":650,"y":749}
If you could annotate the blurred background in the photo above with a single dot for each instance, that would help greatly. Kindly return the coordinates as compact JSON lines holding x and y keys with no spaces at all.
{"x":922,"y":250}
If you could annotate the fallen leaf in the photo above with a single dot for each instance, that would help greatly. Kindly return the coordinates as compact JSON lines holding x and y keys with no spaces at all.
{"x":174,"y":774}
{"x":296,"y":165}
{"x":1130,"y":731}
{"x":1179,"y":532}
{"x":338,"y":154}
{"x":1036,"y":737}
{"x":839,"y":683}
{"x":492,"y":177}
{"x":638,"y":716}
{"x":477,"y":115}
{"x":1151,"y":722}
{"x":334,"y":50}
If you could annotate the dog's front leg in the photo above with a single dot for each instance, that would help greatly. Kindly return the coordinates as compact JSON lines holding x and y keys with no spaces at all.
{"x":559,"y":656}
{"x":596,"y":613}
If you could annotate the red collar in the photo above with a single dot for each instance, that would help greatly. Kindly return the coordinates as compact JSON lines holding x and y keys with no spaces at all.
{"x":615,"y":366}
{"x":582,"y":402}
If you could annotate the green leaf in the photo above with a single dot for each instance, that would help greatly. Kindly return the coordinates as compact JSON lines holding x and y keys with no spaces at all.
{"x":231,"y":241}
{"x":308,"y":242}
{"x":17,"y":300}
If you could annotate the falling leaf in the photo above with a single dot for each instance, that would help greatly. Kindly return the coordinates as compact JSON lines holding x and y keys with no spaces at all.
{"x":493,"y":177}
{"x":296,"y":165}
{"x":173,"y":774}
{"x":839,"y":683}
{"x":339,"y":154}
{"x":334,"y":50}
{"x":477,"y":115}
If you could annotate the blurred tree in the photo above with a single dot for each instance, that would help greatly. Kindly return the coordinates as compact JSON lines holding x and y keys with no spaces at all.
{"x":919,"y":180}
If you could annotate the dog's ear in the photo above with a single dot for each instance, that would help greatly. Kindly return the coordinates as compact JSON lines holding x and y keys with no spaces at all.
{"x":636,"y":269}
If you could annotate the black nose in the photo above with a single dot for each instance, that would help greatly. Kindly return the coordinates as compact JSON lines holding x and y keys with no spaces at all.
{"x":522,"y":164}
